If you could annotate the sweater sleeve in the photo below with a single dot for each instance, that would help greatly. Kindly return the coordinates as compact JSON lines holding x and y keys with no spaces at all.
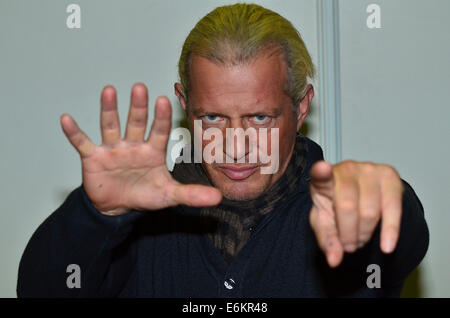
{"x":98,"y":246}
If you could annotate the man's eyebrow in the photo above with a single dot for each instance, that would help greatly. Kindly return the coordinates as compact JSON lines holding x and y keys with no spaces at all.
{"x":198,"y":110}
{"x":263,"y":112}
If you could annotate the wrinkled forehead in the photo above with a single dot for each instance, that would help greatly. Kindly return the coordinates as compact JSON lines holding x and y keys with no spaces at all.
{"x":252,"y":86}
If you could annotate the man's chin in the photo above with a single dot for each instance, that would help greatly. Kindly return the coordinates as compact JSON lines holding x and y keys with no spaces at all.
{"x":240,"y":192}
{"x":239,"y":196}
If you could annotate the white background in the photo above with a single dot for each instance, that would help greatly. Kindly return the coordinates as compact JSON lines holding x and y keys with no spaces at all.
{"x":394,"y":82}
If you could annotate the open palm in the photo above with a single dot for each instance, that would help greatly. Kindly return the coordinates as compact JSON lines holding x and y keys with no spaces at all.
{"x":130,"y":173}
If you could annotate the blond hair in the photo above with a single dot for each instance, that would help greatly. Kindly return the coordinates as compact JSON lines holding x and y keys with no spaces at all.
{"x":236,"y":33}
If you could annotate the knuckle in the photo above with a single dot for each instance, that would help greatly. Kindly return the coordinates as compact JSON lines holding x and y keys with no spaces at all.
{"x":346,"y":206}
{"x":369,"y":218}
{"x":78,"y":140}
{"x":389,"y":172}
{"x":347,"y":190}
{"x":349,"y":239}
{"x":348,"y":166}
{"x":369,"y":168}
{"x":161,"y":126}
{"x":327,"y":222}
{"x":348,"y":236}
{"x":109,"y":125}
{"x":392,"y":206}
{"x":139,"y":121}
{"x":369,"y":212}
{"x":364,"y":238}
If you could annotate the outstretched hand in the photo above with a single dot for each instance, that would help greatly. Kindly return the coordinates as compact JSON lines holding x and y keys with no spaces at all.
{"x":130,"y":173}
{"x":349,"y":199}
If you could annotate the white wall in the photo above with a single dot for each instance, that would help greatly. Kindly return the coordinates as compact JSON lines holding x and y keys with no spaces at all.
{"x":47,"y":69}
{"x":395,"y":109}
{"x":394,"y":105}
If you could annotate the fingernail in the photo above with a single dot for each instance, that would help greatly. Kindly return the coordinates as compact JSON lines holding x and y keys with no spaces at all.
{"x":388,"y":245}
{"x":389,"y":241}
{"x":330,"y":260}
{"x":350,"y":248}
{"x":360,"y":244}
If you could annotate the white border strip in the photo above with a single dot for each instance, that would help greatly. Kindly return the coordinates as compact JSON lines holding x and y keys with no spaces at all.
{"x":329,"y":78}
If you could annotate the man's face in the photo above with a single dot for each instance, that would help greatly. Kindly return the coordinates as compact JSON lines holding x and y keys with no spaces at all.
{"x":243,"y":96}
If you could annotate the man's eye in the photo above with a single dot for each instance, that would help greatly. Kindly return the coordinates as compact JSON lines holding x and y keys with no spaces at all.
{"x":211,"y":118}
{"x":260,"y":119}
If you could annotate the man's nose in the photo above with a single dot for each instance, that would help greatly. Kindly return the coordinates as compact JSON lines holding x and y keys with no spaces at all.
{"x":237,"y":142}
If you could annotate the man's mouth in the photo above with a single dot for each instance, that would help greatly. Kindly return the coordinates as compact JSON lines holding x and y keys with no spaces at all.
{"x":238,"y":172}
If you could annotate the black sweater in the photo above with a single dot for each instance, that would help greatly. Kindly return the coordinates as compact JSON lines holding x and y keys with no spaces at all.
{"x":166,"y":254}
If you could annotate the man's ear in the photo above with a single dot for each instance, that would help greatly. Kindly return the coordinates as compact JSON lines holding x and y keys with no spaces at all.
{"x":180,"y":95}
{"x":303,"y":106}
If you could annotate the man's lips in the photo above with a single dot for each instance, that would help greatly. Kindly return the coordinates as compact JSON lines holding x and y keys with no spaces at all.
{"x":238,"y":172}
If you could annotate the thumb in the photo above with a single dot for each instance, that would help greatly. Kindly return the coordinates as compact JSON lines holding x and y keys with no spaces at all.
{"x":322,"y":180}
{"x":193,"y":195}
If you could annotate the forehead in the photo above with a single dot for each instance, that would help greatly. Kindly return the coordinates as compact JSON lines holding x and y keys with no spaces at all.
{"x":254,"y":86}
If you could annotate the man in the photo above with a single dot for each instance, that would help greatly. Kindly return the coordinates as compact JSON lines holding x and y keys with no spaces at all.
{"x":224,"y":228}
